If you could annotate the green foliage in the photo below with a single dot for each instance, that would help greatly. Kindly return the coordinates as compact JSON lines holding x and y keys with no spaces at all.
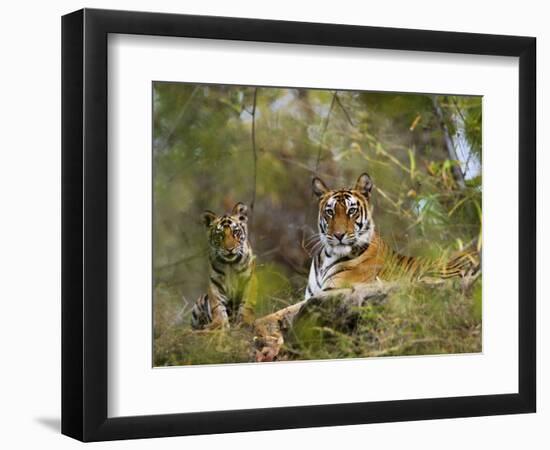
{"x":204,"y":158}
{"x":274,"y":289}
{"x":416,"y":320}
{"x":182,"y":347}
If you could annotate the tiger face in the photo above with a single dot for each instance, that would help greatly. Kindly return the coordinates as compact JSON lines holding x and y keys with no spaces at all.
{"x":228,"y":234}
{"x":345,"y":216}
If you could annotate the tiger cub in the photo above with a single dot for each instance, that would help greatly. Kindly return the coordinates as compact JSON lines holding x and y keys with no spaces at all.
{"x":352,"y":252}
{"x":231,"y":295}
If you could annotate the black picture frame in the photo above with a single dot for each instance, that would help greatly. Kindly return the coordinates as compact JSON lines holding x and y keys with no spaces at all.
{"x":84,"y":224}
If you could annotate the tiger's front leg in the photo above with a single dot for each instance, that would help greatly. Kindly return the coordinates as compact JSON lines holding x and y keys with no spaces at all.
{"x":220,"y":319}
{"x":247,"y":309}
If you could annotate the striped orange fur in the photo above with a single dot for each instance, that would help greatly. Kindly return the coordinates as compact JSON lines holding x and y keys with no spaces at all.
{"x":352,"y":251}
{"x":231,"y":294}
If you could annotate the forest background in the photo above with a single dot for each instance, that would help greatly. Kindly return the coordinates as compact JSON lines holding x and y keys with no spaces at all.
{"x":214,"y":145}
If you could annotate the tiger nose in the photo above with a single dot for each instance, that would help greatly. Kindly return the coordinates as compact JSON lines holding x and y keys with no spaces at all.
{"x":339,"y":236}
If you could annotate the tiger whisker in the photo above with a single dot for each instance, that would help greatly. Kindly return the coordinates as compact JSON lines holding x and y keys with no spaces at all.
{"x":312,"y":241}
{"x":316,"y":248}
{"x":312,"y":238}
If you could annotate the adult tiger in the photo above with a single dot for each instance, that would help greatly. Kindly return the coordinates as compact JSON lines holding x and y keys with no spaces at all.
{"x":352,"y":252}
{"x":231,"y":294}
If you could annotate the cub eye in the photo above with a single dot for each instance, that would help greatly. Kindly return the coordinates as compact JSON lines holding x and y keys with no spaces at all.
{"x":352,"y":211}
{"x":329,"y":212}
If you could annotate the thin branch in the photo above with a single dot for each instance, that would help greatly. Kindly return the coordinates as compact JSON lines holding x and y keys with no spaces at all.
{"x":321,"y":139}
{"x":254,"y":154}
{"x":458,"y":109}
{"x":393,"y":159}
{"x":180,"y":261}
{"x":345,"y":111}
{"x":178,"y":119}
{"x":303,"y":166}
{"x":393,"y":202}
{"x":178,"y":317}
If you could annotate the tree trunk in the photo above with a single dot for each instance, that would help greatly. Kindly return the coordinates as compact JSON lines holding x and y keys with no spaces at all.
{"x":449,"y":143}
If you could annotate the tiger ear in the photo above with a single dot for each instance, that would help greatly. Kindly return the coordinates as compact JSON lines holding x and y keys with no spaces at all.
{"x":241,"y":210}
{"x":208,"y":217}
{"x":364,"y":184}
{"x":319,"y":187}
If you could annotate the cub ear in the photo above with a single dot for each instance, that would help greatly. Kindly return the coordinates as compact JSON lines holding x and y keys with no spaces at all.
{"x":364,"y":184}
{"x":208,"y":217}
{"x":319,"y":187}
{"x":241,"y":210}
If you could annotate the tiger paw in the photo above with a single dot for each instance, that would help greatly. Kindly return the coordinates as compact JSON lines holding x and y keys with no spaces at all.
{"x":267,"y":348}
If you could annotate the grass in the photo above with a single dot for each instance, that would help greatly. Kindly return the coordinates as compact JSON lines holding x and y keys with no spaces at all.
{"x":413,"y":320}
{"x":181,"y":347}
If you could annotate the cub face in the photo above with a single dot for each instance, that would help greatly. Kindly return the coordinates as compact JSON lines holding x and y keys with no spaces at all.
{"x":345,"y":215}
{"x":227,"y":234}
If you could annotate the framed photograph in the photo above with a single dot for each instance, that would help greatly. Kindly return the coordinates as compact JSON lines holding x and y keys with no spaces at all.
{"x":274,"y":224}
